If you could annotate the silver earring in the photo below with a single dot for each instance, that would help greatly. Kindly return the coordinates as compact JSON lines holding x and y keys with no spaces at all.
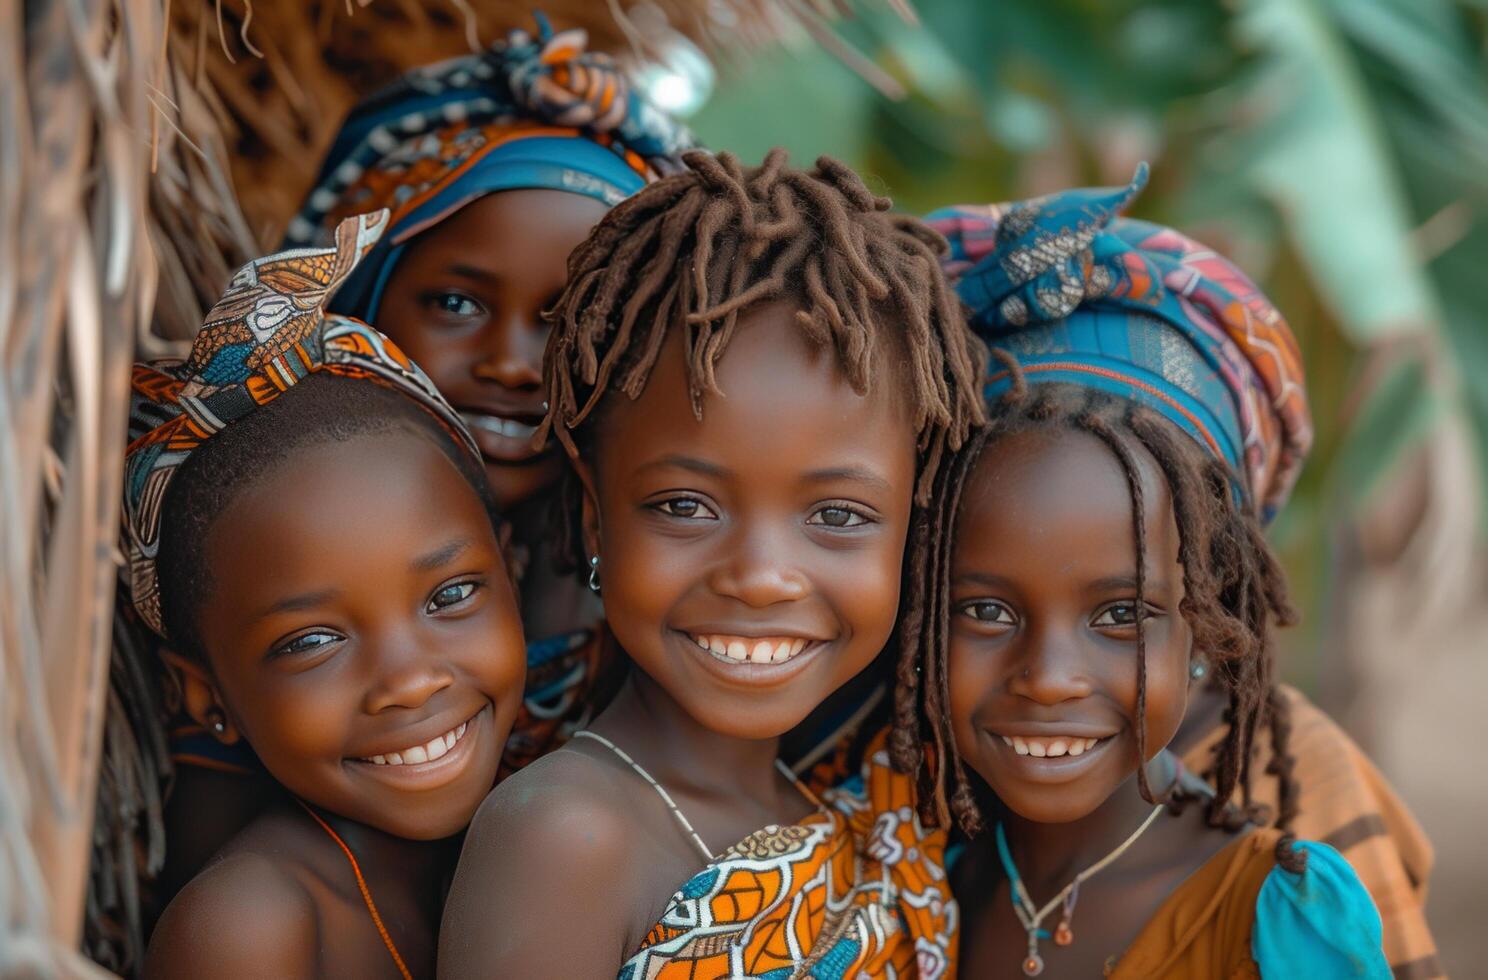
{"x":594,"y":574}
{"x":1198,"y":670}
{"x":216,"y":720}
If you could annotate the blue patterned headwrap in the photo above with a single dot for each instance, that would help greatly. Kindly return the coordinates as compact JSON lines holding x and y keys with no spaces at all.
{"x":529,"y":112}
{"x":1081,"y":295}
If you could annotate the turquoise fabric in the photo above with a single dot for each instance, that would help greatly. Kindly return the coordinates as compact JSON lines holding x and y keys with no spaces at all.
{"x":1319,"y":924}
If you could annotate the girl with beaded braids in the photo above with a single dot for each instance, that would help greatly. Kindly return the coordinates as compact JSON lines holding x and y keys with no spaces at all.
{"x":1097,"y":552}
{"x":494,"y":166}
{"x":756,"y":372}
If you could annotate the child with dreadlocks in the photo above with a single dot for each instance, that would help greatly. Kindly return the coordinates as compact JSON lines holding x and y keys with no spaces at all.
{"x":309,"y":528}
{"x":756,"y":372}
{"x":495,"y":166}
{"x":1099,"y":552}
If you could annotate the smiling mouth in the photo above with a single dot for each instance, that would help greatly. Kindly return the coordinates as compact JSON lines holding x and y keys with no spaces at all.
{"x":751,"y":649}
{"x":1052,"y":746}
{"x":506,"y":426}
{"x":425,"y":752}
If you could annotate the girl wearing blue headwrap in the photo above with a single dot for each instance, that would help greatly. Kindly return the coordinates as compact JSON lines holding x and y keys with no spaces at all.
{"x":493,"y":166}
{"x":1100,"y":561}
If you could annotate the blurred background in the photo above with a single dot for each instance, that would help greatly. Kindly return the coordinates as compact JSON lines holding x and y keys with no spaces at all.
{"x":1337,"y":149}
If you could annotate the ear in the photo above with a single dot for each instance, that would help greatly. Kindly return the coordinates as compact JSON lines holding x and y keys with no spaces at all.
{"x":200,"y":698}
{"x":589,"y":521}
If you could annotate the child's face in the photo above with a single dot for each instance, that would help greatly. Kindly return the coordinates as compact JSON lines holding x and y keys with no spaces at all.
{"x":465,"y":303}
{"x":360,"y":608}
{"x":1043,"y":646}
{"x":772,"y":530}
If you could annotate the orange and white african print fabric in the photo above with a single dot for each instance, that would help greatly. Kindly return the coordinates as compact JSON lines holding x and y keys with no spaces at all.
{"x":857,"y":889}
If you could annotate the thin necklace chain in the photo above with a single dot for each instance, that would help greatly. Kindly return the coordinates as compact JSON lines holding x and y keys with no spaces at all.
{"x":667,"y":797}
{"x":1023,"y":906}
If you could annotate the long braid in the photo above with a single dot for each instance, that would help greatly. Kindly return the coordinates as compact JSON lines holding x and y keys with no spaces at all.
{"x":693,"y":251}
{"x":1234,"y":592}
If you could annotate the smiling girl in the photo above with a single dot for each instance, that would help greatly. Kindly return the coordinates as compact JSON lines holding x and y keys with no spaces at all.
{"x":309,"y":528}
{"x":1102,"y":553}
{"x":756,"y":372}
{"x":494,"y":166}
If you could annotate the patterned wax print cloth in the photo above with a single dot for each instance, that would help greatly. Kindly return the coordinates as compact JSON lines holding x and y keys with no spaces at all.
{"x":268,"y":332}
{"x":1346,"y":803}
{"x":531,"y":111}
{"x":857,"y":889}
{"x":1081,"y":295}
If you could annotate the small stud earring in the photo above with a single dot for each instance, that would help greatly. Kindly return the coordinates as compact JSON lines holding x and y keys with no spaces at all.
{"x":594,"y":574}
{"x":215,"y":720}
{"x":1198,"y":670}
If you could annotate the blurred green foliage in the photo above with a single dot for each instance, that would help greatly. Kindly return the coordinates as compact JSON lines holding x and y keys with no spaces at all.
{"x":1337,"y":149}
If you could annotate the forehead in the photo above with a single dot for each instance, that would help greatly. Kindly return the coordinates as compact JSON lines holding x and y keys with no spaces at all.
{"x":781,"y":399}
{"x":526,"y":221}
{"x":340,"y":511}
{"x":1060,"y":496}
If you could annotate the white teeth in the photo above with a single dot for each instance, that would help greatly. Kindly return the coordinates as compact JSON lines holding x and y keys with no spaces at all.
{"x":748,"y":649}
{"x":428,"y":752}
{"x":510,"y":428}
{"x":1050,"y":748}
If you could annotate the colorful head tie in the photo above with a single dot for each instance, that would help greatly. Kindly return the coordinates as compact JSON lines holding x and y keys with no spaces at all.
{"x":1083,"y":296}
{"x":529,"y":112}
{"x":268,"y":332}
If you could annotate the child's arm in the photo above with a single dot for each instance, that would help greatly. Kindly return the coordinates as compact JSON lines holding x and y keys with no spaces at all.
{"x":540,"y":888}
{"x":241,"y":918}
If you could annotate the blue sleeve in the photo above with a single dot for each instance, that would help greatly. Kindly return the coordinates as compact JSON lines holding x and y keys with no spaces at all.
{"x":1318,"y":924}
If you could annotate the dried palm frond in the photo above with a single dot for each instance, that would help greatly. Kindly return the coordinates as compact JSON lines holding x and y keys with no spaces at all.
{"x":281,"y":107}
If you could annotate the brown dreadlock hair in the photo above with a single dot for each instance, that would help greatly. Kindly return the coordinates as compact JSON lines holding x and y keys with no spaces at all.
{"x":694,"y":250}
{"x":1234,"y":589}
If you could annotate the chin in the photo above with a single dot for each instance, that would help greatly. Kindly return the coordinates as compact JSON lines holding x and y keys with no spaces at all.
{"x":514,"y":483}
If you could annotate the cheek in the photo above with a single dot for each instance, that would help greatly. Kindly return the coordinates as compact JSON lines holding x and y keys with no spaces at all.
{"x":297,"y":720}
{"x":969,"y":677}
{"x":1168,"y":650}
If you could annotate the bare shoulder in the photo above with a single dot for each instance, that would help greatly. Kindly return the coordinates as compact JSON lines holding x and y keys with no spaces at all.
{"x":244,"y":915}
{"x":564,"y":804}
{"x":548,"y":856}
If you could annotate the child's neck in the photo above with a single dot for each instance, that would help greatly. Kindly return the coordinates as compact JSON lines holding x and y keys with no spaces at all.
{"x":1049,"y":855}
{"x":416,"y":867}
{"x":681,"y":753}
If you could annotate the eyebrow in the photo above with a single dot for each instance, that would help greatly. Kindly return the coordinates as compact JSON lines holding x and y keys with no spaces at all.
{"x":1113,"y":583}
{"x":851,"y":474}
{"x":440,"y":556}
{"x":296,"y":603}
{"x":472,"y":272}
{"x":686,"y":463}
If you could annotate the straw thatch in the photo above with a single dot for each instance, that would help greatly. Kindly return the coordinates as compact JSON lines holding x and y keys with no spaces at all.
{"x":124,"y":127}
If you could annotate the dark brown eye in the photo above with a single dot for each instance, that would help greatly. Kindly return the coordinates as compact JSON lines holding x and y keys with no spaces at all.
{"x":837,"y":517}
{"x":1119,"y":614}
{"x":688,"y":508}
{"x":450,"y":595}
{"x":988,"y":611}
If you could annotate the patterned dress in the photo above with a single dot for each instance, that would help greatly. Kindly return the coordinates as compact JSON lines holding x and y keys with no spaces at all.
{"x":857,"y":889}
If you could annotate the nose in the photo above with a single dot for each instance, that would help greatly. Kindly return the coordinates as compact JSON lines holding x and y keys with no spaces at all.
{"x":513,"y":351}
{"x":406,"y":676}
{"x":759,"y":570}
{"x":1051,"y":668}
